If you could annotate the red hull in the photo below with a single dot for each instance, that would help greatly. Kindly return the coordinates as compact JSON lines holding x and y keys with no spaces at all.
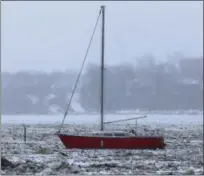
{"x":93,"y":142}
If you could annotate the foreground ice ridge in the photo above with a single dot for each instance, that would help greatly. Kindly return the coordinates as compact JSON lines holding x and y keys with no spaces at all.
{"x":44,"y":154}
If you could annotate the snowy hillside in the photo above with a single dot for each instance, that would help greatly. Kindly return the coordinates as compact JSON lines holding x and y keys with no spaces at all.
{"x":155,"y":88}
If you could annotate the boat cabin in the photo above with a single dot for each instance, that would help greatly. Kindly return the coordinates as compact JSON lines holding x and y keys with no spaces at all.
{"x":110,"y":134}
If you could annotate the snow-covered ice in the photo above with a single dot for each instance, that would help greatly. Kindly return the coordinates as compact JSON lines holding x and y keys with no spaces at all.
{"x":44,"y":154}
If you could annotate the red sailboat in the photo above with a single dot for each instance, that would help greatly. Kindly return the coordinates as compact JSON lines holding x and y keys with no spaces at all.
{"x":107,"y":139}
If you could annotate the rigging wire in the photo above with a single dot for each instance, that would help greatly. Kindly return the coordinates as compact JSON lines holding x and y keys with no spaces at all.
{"x":79,"y":75}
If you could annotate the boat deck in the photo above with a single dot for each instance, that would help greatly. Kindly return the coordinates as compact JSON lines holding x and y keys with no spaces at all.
{"x":109,"y":134}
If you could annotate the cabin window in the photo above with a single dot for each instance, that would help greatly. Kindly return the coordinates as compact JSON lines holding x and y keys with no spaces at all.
{"x":119,"y":134}
{"x":108,"y":134}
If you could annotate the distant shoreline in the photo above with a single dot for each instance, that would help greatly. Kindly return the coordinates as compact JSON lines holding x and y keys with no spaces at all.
{"x":187,"y":112}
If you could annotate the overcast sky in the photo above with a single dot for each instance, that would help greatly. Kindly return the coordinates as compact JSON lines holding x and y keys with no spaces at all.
{"x":54,"y":35}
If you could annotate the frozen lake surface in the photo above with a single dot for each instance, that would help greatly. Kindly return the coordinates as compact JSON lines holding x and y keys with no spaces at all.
{"x":44,"y":154}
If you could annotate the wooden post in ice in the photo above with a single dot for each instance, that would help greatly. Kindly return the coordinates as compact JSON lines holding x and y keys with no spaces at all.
{"x":136,"y":126}
{"x":24,"y":127}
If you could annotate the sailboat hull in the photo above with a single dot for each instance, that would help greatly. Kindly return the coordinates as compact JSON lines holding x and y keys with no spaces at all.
{"x":93,"y":142}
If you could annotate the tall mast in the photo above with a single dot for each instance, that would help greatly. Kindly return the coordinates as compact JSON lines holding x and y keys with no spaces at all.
{"x":102,"y":64}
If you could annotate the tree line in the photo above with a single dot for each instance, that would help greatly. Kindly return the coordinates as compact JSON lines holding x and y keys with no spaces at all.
{"x":146,"y":85}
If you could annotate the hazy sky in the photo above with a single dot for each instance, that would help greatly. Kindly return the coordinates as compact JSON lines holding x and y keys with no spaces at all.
{"x":54,"y":35}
